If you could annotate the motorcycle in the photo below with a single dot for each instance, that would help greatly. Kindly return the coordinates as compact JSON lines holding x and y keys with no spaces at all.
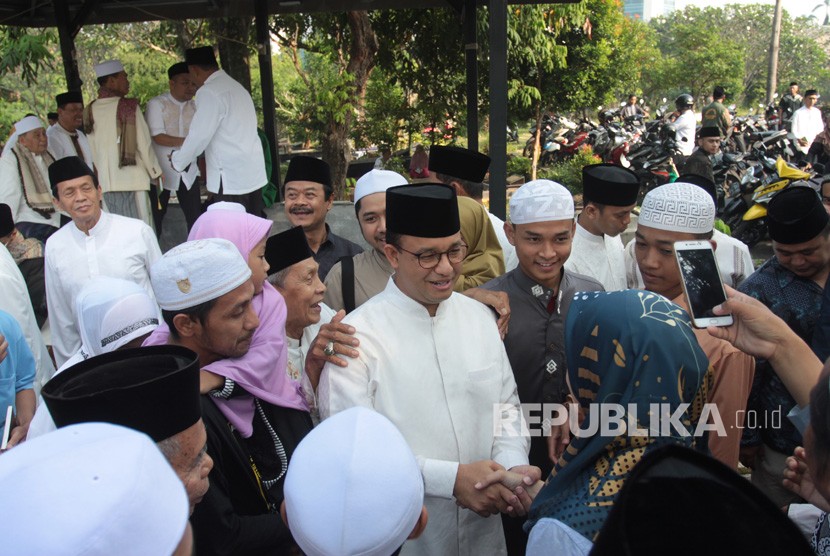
{"x":753,"y":225}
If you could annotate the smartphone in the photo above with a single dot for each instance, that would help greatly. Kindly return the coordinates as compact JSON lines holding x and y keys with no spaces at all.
{"x":701,"y":282}
{"x":7,"y":429}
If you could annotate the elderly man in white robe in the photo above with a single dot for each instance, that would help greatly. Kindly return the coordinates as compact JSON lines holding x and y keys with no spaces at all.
{"x":24,"y":181}
{"x":610,"y":193}
{"x":95,"y":243}
{"x":432,"y":362}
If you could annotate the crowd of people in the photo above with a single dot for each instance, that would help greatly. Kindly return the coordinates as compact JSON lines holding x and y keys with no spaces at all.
{"x":449,"y":390}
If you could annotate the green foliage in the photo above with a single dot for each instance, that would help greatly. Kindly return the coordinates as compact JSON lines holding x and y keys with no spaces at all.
{"x":385,"y":112}
{"x":518,"y":165}
{"x":569,"y":172}
{"x":25,"y":52}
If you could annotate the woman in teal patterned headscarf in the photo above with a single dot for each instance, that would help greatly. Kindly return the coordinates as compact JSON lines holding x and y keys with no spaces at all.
{"x":626,"y":347}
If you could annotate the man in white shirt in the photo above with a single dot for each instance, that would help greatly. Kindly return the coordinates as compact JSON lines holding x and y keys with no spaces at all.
{"x":465,"y":170}
{"x":95,"y":243}
{"x":66,"y":137}
{"x":685,"y":124}
{"x":224,"y":128}
{"x":431,"y":360}
{"x":609,"y":195}
{"x":16,"y":302}
{"x":169,"y":116}
{"x":807,"y":122}
{"x":24,"y":181}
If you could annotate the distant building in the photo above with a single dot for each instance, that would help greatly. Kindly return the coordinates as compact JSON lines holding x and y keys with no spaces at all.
{"x":646,"y":9}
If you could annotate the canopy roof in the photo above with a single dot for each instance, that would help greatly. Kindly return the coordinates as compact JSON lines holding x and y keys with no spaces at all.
{"x":41,"y":13}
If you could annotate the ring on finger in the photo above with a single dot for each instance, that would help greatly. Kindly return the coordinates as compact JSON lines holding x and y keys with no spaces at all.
{"x":329,"y":350}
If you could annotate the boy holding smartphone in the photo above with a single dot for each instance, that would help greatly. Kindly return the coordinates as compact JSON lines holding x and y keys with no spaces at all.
{"x":685,"y":212}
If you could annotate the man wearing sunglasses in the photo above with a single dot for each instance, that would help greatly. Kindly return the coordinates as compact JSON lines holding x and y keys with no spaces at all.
{"x":432,"y":362}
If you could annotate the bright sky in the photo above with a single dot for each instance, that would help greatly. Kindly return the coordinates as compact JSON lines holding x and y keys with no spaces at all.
{"x":794,"y":7}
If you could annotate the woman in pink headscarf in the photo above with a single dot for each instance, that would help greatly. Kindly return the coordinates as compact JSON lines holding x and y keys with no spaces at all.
{"x":262,"y":406}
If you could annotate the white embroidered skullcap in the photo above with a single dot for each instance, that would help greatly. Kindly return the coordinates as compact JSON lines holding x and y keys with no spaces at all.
{"x":226,"y":205}
{"x":541,"y":201}
{"x":27,"y":124}
{"x":108,"y":68}
{"x":196,"y":272}
{"x":678,"y":207}
{"x":353,"y":487}
{"x":376,"y":181}
{"x":111,"y":312}
{"x":91,"y":489}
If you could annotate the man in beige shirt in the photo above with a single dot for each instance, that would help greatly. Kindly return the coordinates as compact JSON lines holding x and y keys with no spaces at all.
{"x":683,"y":212}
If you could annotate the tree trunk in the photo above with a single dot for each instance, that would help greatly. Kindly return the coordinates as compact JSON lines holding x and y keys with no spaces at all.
{"x":233,"y":34}
{"x":772,"y":76}
{"x":362,"y":51}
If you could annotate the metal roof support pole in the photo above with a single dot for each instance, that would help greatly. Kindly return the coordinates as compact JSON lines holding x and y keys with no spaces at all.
{"x":67,"y":42}
{"x":471,"y":49}
{"x":269,"y":112}
{"x":498,"y":107}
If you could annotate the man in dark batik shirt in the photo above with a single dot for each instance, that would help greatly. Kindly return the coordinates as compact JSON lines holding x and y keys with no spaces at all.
{"x":309,"y":196}
{"x":541,"y":227}
{"x":791,"y":284}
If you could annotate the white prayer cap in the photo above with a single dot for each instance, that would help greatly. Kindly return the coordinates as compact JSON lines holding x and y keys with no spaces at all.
{"x":27,"y":124}
{"x":91,"y":489}
{"x":196,"y":272}
{"x":541,"y":201}
{"x":111,"y":313}
{"x":376,"y":181}
{"x":353,"y":487}
{"x":226,"y":205}
{"x":678,"y":207}
{"x":108,"y":68}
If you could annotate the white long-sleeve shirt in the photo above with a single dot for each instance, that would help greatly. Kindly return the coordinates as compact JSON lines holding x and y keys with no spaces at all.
{"x":14,"y":300}
{"x":600,"y":257}
{"x":686,"y":125}
{"x":807,"y":123}
{"x":166,"y":115}
{"x":116,"y":246}
{"x":511,"y":260}
{"x":224,"y":128}
{"x":439,"y":380}
{"x":60,"y":144}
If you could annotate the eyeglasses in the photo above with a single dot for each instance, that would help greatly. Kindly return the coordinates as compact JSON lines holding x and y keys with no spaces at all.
{"x":430,"y":260}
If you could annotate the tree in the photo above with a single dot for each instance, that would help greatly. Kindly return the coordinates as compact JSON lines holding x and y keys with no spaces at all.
{"x":823,"y":7}
{"x":348,"y":43}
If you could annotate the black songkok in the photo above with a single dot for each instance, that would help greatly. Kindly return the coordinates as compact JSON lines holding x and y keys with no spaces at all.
{"x":796,"y":215}
{"x":177,"y":69}
{"x":287,"y":248}
{"x":308,"y":168}
{"x":200,"y":56}
{"x":68,"y":97}
{"x":428,"y":210}
{"x":610,"y":184}
{"x":464,"y":164}
{"x":154,"y":390}
{"x":6,"y":220}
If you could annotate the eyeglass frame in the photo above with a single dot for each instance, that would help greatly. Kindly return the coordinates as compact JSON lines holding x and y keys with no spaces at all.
{"x":463,"y":246}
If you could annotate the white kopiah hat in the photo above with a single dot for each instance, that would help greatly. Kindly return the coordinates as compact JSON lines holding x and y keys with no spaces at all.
{"x":27,"y":124}
{"x":226,"y":205}
{"x":678,"y":207}
{"x":541,"y":201}
{"x":353,"y":487}
{"x":91,"y":489}
{"x":108,"y":68}
{"x":377,"y":181}
{"x":196,"y":272}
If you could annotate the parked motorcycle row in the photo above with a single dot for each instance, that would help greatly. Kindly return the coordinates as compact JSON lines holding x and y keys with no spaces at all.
{"x":756,"y":160}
